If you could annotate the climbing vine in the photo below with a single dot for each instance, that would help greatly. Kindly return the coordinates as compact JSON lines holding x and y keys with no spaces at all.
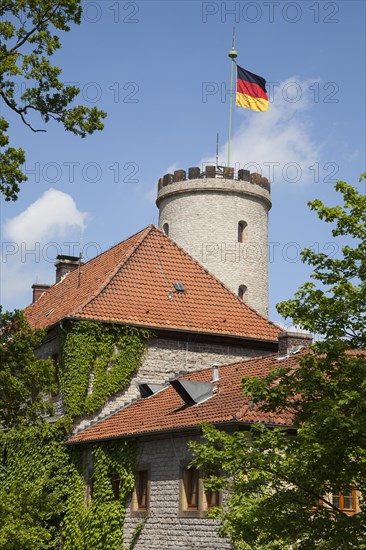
{"x":97,"y":360}
{"x":34,"y":473}
{"x":43,"y":499}
{"x":99,"y":524}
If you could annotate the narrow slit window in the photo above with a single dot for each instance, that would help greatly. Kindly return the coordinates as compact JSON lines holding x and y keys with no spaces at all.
{"x":191,"y":480}
{"x":243,"y":293}
{"x":166,"y":229}
{"x":56,"y":379}
{"x":115,"y":482}
{"x":141,"y":489}
{"x":212,"y":498}
{"x":140,"y":503}
{"x":241,"y":231}
{"x":89,"y":489}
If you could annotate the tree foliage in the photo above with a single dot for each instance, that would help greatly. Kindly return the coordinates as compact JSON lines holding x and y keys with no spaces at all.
{"x":280,"y":484}
{"x":30,"y":85}
{"x":35,"y":485}
{"x":43,"y":503}
{"x":335,"y":307}
{"x":25,"y":379}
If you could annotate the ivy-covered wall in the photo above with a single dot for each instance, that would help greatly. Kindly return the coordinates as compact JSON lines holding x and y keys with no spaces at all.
{"x":43,"y":504}
{"x":35,"y":470}
{"x":99,"y":523}
{"x":96,"y":361}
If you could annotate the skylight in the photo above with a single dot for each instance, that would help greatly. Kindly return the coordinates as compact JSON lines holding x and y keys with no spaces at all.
{"x":179,"y":287}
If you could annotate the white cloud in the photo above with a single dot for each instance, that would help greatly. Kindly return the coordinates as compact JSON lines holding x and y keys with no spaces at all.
{"x":279,"y":141}
{"x":50,"y":216}
{"x":49,"y":226}
{"x":172,"y":167}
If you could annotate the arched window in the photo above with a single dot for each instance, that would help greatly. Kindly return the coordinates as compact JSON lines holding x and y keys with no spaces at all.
{"x":166,"y":229}
{"x":241,"y":231}
{"x":243,"y":293}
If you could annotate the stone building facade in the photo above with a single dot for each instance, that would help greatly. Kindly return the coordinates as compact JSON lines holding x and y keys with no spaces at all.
{"x":165,"y":527}
{"x":162,"y":425}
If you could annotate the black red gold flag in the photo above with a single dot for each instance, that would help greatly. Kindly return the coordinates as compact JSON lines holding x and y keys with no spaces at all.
{"x":251,"y":91}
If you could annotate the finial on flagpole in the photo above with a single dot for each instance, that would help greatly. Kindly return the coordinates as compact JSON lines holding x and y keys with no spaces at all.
{"x":232,"y":54}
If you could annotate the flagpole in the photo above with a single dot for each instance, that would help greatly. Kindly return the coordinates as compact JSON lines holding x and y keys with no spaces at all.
{"x":232,"y":54}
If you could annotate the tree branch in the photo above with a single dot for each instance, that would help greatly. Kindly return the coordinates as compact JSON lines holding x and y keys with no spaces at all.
{"x":39,"y":24}
{"x":4,"y":8}
{"x":19,"y":112}
{"x":307,"y":491}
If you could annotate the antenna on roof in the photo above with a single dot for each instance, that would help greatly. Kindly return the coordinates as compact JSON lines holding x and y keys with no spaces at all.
{"x":217,"y":149}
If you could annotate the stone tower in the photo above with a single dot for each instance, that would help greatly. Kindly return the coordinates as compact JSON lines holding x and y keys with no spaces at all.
{"x":223,"y":223}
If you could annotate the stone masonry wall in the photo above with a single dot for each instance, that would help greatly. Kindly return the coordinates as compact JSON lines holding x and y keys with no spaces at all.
{"x":164,"y":529}
{"x":165,"y":359}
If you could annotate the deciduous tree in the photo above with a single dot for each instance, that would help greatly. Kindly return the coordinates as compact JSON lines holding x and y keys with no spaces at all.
{"x":30,"y":85}
{"x":280,"y":484}
{"x":25,"y":379}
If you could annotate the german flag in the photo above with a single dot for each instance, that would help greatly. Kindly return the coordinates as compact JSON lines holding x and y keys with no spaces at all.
{"x":251,"y":91}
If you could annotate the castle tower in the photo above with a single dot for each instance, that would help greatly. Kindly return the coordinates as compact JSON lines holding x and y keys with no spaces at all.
{"x":223,"y":223}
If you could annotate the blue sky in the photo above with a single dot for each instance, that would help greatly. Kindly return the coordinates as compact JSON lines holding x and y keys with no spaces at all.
{"x":161,"y":71}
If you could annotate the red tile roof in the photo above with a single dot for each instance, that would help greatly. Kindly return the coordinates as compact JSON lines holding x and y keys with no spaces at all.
{"x":167,"y":411}
{"x":132,"y":283}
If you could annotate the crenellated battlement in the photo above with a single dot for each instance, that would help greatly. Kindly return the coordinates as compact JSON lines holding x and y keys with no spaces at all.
{"x":213,"y":172}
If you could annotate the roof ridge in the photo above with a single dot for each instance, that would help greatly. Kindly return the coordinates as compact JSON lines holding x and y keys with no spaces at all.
{"x":216,"y":278}
{"x":144,"y":233}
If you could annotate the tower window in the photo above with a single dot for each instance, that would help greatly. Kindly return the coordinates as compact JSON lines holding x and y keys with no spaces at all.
{"x":166,"y":229}
{"x":241,"y":231}
{"x":243,"y":293}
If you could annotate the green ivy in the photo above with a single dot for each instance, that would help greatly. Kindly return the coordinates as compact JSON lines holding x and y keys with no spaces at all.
{"x":42,"y":481}
{"x":34,"y":487}
{"x":99,"y":525}
{"x":107,"y":355}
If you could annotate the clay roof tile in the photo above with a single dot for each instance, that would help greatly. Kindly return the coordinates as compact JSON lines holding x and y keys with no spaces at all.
{"x":166,"y":410}
{"x":132,"y":283}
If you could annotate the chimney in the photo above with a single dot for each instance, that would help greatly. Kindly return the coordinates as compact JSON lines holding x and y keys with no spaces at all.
{"x":64,"y":265}
{"x":215,"y":372}
{"x":38,"y":290}
{"x":288,"y":342}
